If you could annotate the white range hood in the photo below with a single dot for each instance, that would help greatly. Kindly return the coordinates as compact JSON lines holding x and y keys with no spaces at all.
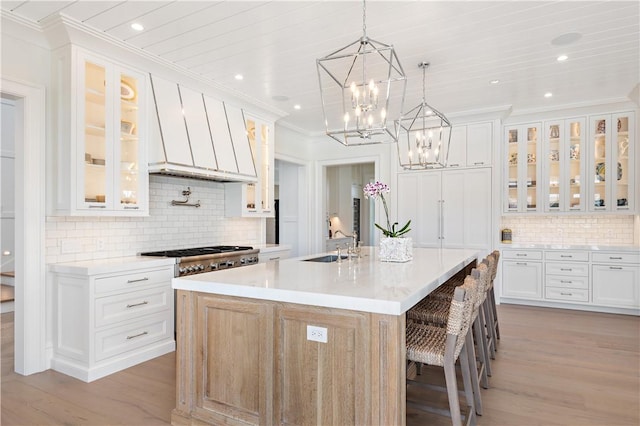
{"x":195,"y":135}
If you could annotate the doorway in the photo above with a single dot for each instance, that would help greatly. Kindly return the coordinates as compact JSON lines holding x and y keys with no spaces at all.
{"x":29,"y":202}
{"x":346,"y":211}
{"x":291,"y":224}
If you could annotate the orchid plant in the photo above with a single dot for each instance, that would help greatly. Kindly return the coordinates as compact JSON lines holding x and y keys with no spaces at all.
{"x":377,"y":190}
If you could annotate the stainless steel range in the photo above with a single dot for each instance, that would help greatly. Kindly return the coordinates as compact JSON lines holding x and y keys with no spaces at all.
{"x":206,"y":259}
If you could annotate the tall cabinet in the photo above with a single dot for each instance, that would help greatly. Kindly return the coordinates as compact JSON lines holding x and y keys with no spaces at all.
{"x":447,"y":208}
{"x":101,"y":116}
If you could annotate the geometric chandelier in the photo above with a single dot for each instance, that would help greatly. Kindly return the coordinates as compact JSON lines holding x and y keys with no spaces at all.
{"x":424,"y":134}
{"x":362,"y":88}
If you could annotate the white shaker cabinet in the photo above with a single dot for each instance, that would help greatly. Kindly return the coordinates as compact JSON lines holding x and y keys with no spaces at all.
{"x":447,"y":208}
{"x":616,"y":280}
{"x":522,"y":274}
{"x":471,"y":145}
{"x":100,"y":151}
{"x":110,"y":318}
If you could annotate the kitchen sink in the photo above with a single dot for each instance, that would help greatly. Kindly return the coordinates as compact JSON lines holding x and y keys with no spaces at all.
{"x":325,"y":259}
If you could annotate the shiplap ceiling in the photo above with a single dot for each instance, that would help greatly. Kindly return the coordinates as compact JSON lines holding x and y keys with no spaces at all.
{"x":274,"y":45}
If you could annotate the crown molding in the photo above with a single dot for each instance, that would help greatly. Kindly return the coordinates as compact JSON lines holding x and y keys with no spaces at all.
{"x":294,"y":128}
{"x":63,"y":29}
{"x":23,"y":28}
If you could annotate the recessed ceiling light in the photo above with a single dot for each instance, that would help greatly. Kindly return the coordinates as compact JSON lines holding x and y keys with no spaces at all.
{"x":562,"y":58}
{"x":494,"y":81}
{"x":296,"y":106}
{"x":548,"y":95}
{"x":136,"y":26}
{"x":564,"y":39}
{"x":239,"y":77}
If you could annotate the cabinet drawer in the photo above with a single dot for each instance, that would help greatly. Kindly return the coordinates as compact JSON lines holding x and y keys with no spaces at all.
{"x":567,"y":294}
{"x":616,"y":257}
{"x":567,"y":282}
{"x":134,"y":280}
{"x":580,"y":256}
{"x":523,"y":254}
{"x":117,"y":340}
{"x":569,"y":269}
{"x":122,"y":307}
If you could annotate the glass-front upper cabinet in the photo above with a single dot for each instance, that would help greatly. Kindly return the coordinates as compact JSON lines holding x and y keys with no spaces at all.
{"x":564,"y":167}
{"x":109,"y":142}
{"x":522,"y":172}
{"x":611,"y":171}
{"x":255,"y":199}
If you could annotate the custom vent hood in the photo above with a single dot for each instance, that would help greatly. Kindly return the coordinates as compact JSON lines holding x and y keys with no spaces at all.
{"x":194,"y":135}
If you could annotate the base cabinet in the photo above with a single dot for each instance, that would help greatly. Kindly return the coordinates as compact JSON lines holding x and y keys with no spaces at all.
{"x":248,"y":362}
{"x":616,"y":280}
{"x":107,"y":322}
{"x":580,"y":279}
{"x":522,"y":279}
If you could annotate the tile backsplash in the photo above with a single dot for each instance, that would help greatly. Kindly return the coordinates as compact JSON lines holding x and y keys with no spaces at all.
{"x":166,"y":227}
{"x":610,"y":230}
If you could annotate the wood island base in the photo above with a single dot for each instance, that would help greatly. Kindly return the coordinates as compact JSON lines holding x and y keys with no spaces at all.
{"x":245,"y":361}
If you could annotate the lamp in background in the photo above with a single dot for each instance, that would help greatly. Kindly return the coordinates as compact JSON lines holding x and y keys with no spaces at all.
{"x":424,"y":134}
{"x":362,"y":87}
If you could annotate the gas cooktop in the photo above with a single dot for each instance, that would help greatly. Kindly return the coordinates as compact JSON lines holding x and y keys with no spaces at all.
{"x":199,"y":251}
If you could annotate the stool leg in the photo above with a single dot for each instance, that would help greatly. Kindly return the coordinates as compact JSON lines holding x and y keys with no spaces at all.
{"x":452,"y":391}
{"x":487,"y":319}
{"x":482,"y":353}
{"x":495,"y":313}
{"x":475,"y":379}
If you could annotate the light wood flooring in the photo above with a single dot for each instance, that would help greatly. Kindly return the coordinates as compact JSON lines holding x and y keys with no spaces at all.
{"x":554,"y":367}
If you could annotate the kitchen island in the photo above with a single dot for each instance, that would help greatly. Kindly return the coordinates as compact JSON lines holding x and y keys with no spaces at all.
{"x":301,"y":342}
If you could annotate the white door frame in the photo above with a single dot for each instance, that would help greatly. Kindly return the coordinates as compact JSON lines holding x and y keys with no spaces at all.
{"x":30,"y":294}
{"x":304,"y":189}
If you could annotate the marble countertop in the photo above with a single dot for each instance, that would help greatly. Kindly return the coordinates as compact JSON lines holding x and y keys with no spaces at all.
{"x":593,"y":247}
{"x":110,"y":265}
{"x":364,"y":284}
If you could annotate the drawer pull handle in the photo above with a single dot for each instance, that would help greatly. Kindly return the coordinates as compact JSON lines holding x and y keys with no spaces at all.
{"x":131,"y":207}
{"x":521,"y":263}
{"x":566,"y":269}
{"x":478,"y":163}
{"x":566,"y":294}
{"x":274,"y":258}
{"x":566,"y":281}
{"x":138,"y":304}
{"x":566,"y":255}
{"x":615,"y":257}
{"x":521,"y":254}
{"x":97,"y":207}
{"x":138,"y":280}
{"x":615,"y":267}
{"x":137,"y":335}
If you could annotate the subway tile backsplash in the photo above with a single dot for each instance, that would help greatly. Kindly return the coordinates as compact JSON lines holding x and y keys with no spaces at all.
{"x":610,"y":230}
{"x":167,"y":227}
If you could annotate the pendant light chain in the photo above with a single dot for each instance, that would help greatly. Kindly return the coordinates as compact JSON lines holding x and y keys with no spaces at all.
{"x":364,"y":18}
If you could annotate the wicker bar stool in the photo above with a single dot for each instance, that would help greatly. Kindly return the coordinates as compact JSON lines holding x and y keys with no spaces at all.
{"x":433,"y":310}
{"x":440,"y":346}
{"x":488,"y":320}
